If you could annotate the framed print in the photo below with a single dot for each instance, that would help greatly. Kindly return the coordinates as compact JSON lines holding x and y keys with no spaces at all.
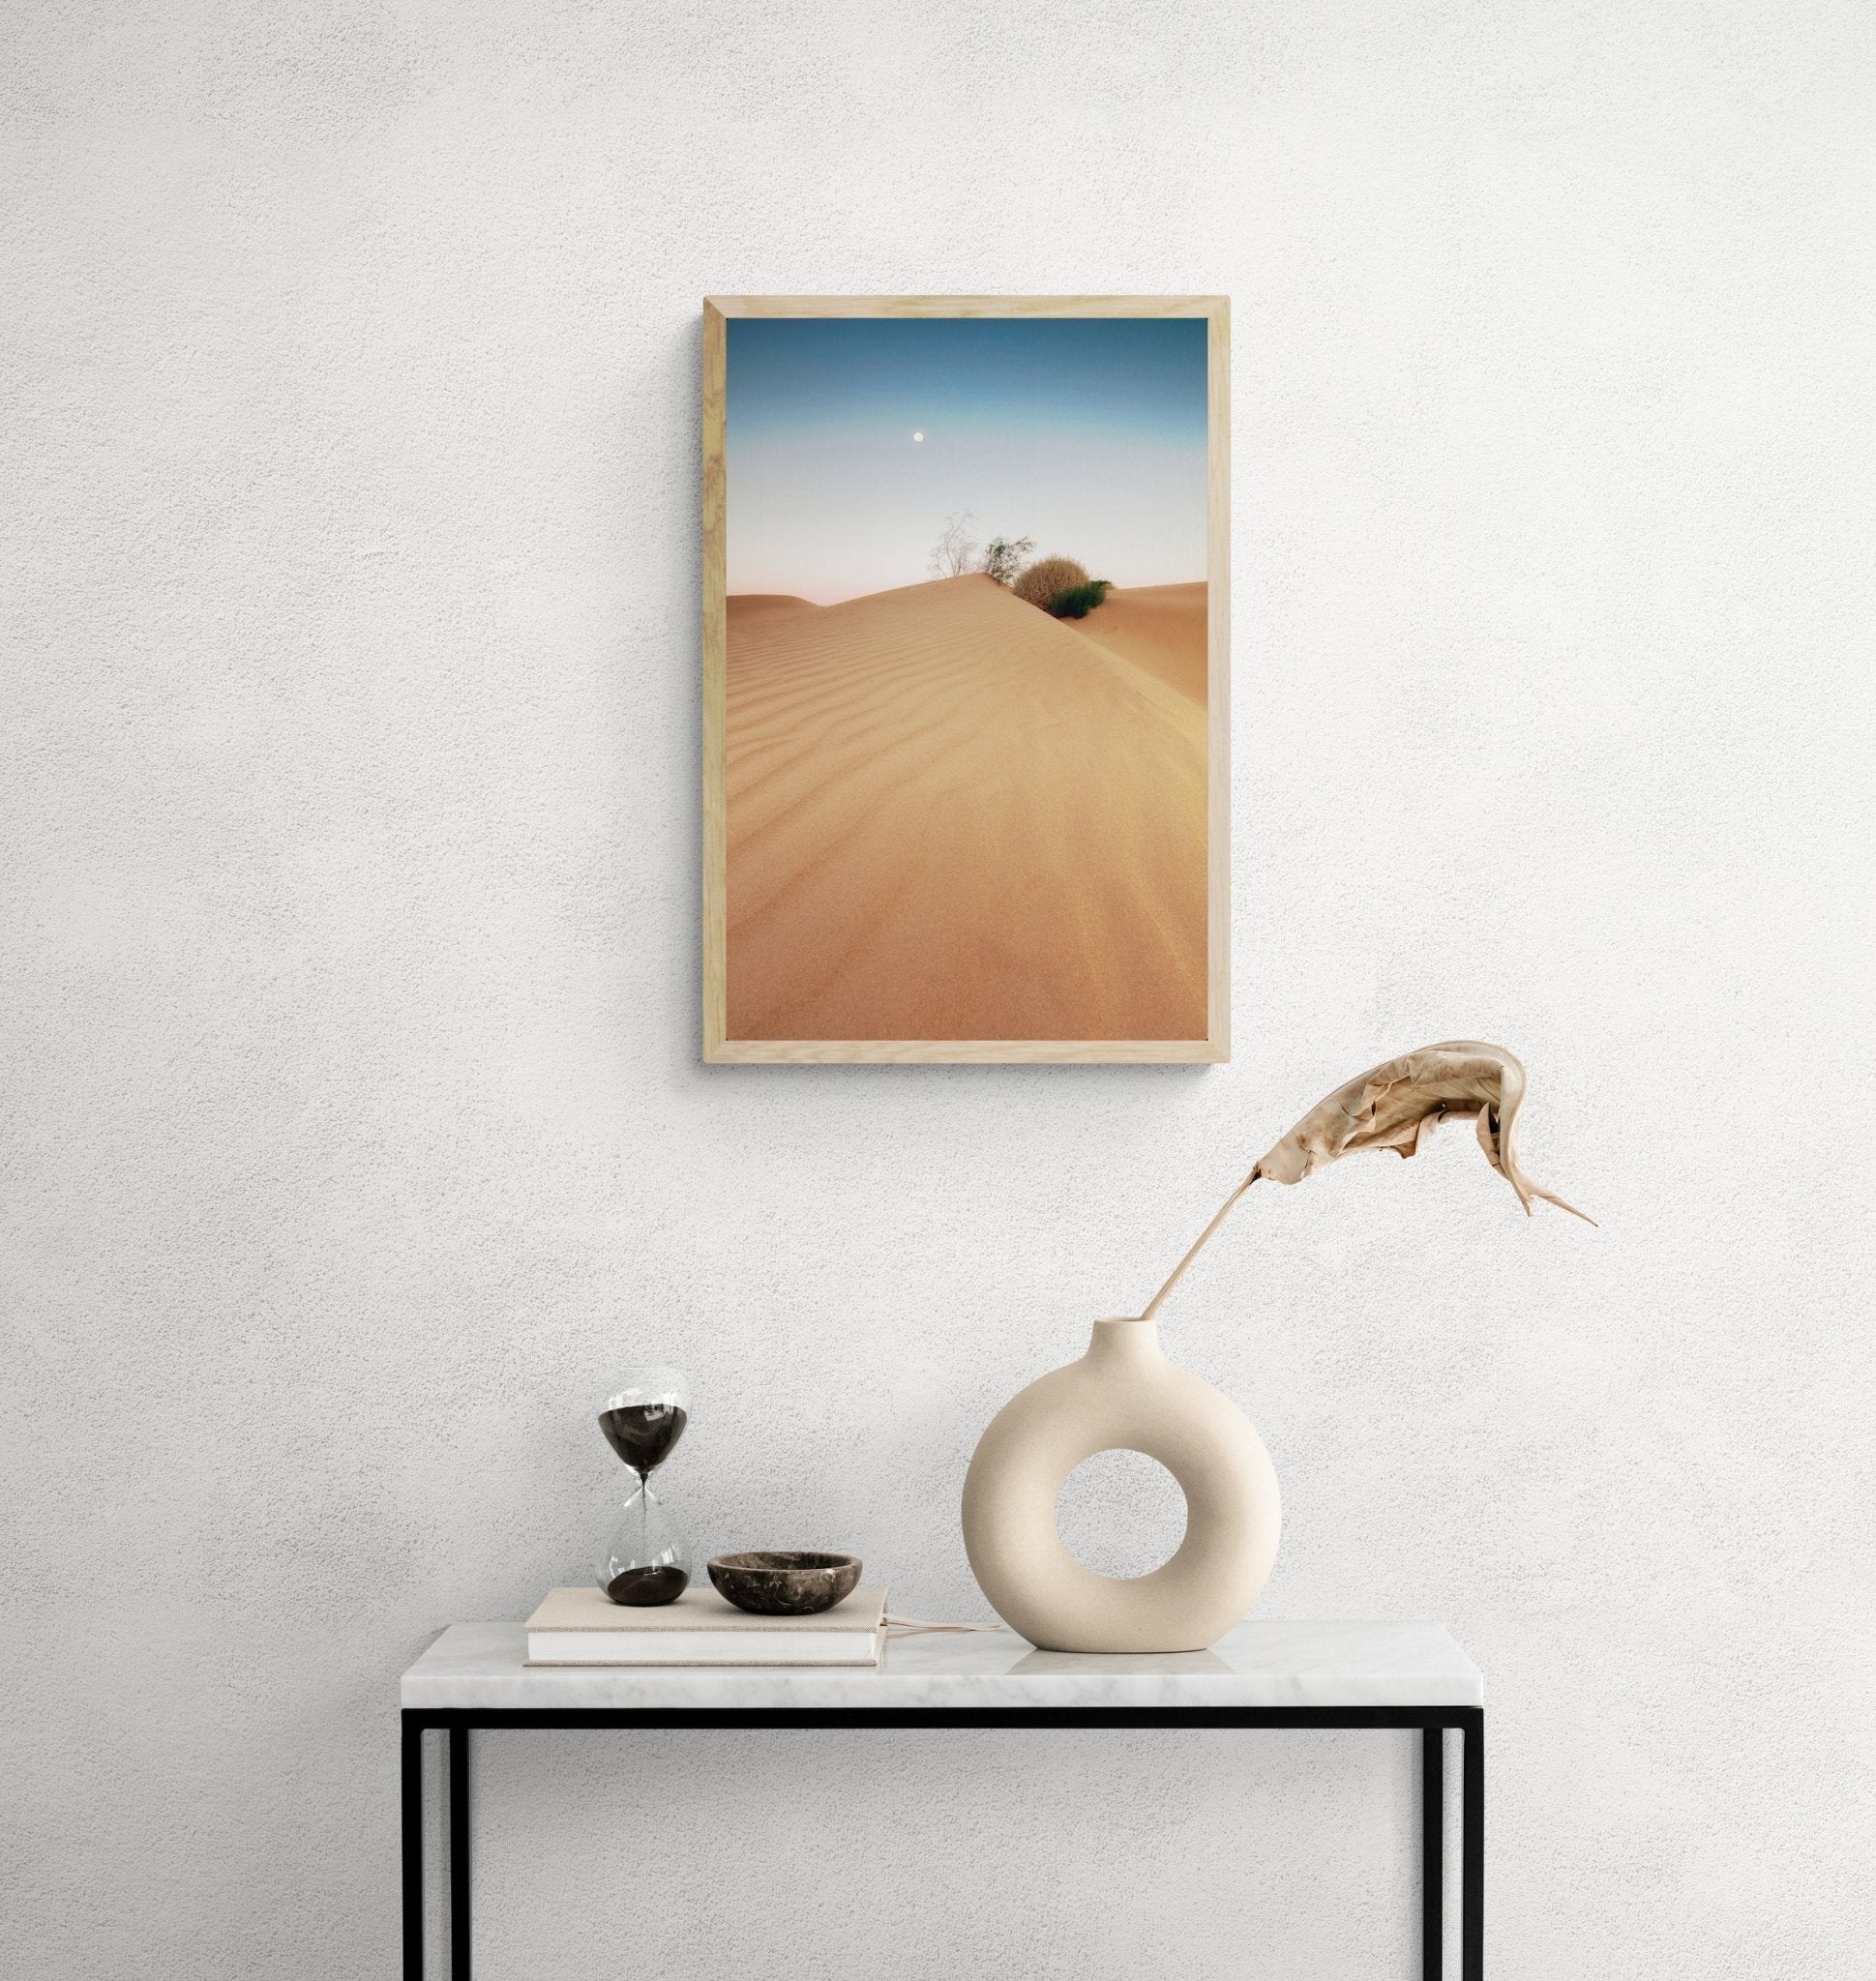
{"x":966,"y":651}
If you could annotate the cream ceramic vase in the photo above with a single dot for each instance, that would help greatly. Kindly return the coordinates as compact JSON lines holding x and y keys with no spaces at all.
{"x":1122,"y":1395}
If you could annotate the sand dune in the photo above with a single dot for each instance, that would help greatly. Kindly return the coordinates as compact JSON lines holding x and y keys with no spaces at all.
{"x":1159,"y":627}
{"x":951,"y":817}
{"x":758,"y":604}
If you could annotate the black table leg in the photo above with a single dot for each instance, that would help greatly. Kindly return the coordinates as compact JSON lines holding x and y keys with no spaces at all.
{"x":1433,"y":1852}
{"x":414,"y":1849}
{"x":459,"y":1853}
{"x":1469,"y":1721}
{"x":1472,"y":1888}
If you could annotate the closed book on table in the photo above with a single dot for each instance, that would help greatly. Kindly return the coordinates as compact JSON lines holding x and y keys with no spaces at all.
{"x":584,"y":1627}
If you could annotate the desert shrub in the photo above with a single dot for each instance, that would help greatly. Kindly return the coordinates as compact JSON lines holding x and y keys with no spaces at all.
{"x":1079,"y":599}
{"x":955,"y":552}
{"x":1045,"y":577}
{"x":1003,"y":557}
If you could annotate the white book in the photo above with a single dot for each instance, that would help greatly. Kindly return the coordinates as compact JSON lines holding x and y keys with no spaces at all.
{"x":584,"y":1627}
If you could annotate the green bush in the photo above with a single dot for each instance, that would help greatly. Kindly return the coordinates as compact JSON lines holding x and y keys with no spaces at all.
{"x":1003,"y":557}
{"x":1079,"y":599}
{"x":1043,"y":579}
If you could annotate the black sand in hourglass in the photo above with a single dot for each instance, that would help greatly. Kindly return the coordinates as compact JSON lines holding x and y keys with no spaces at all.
{"x":644,"y":1436}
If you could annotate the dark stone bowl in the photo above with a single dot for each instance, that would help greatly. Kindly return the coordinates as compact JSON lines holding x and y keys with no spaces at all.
{"x":789,"y":1582}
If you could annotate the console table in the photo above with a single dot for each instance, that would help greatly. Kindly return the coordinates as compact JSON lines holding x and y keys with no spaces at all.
{"x":1260,"y":1675}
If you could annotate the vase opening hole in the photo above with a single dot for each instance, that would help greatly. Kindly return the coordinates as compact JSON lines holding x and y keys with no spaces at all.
{"x":1121,"y":1514}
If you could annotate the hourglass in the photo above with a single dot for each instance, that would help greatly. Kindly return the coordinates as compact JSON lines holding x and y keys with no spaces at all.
{"x":648,"y":1561}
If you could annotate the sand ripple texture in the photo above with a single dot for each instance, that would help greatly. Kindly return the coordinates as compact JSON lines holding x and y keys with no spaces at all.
{"x":951,"y":817}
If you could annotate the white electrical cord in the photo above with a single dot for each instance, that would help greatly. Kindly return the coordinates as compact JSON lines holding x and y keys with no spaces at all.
{"x":914,"y":1626}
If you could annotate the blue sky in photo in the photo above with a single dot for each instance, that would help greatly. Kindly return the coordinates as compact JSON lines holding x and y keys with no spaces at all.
{"x":1087,"y":434}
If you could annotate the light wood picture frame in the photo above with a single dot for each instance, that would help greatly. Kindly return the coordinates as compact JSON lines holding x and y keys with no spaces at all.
{"x":944,"y":821}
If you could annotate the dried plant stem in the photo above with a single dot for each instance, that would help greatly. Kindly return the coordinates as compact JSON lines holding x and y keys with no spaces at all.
{"x":1179,"y":1271}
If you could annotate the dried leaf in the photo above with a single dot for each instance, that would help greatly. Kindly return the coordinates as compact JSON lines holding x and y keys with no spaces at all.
{"x":1398,"y":1105}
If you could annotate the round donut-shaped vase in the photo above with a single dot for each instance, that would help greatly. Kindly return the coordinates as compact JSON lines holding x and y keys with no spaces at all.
{"x":1122,"y":1395}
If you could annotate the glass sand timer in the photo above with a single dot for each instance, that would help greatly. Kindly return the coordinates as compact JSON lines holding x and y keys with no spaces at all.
{"x":647,"y":1561}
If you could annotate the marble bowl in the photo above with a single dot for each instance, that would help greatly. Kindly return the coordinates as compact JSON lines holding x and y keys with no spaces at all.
{"x":785,"y":1583}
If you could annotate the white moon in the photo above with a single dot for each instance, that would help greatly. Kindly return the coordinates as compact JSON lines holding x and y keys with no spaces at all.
{"x":918,"y":436}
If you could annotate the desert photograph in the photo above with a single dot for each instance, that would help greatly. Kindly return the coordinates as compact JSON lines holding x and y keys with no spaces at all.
{"x":966,"y":721}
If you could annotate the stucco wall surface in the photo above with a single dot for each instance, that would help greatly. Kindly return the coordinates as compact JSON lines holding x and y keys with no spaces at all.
{"x":353,"y":1130}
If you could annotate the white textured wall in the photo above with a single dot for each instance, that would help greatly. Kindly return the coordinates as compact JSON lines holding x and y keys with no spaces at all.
{"x":354,"y":1133}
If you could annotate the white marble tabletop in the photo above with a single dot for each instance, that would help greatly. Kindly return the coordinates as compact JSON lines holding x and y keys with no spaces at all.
{"x":1258,"y":1663}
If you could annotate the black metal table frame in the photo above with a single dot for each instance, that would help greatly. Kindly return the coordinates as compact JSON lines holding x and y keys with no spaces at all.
{"x":458,"y":1722}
